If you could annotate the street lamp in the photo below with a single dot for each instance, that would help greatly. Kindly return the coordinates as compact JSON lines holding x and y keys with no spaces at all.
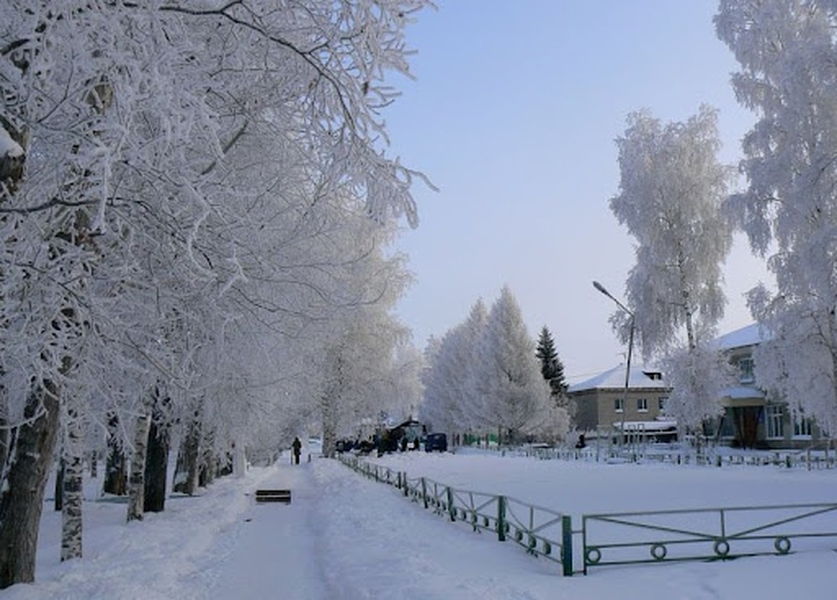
{"x":604,"y":291}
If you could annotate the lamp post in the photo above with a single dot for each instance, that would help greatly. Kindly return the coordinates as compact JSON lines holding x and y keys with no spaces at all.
{"x":604,"y":291}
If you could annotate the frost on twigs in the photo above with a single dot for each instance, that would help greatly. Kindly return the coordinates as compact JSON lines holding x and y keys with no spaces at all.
{"x":787,"y":50}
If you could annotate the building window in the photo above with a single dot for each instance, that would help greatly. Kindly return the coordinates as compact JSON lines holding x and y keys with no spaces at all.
{"x":775,"y":422}
{"x":642,"y":404}
{"x":745,"y":370}
{"x":619,"y":405}
{"x":727,"y":425}
{"x":801,"y":426}
{"x":661,"y":404}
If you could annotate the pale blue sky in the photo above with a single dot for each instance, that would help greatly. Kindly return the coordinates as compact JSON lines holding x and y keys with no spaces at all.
{"x":513,"y":114}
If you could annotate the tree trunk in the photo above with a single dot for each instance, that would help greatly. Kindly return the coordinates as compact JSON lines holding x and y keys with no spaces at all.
{"x":71,"y":515}
{"x":94,"y":464}
{"x":207,"y":459}
{"x":58,"y":490}
{"x":224,"y":464}
{"x":6,"y":434}
{"x":22,"y":499}
{"x":329,"y":415}
{"x":186,"y":470}
{"x":136,"y":481}
{"x":116,"y":481}
{"x":156,"y":467}
{"x":239,"y":459}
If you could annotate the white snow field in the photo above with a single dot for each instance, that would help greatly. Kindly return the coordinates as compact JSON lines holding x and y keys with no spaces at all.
{"x":347,"y":537}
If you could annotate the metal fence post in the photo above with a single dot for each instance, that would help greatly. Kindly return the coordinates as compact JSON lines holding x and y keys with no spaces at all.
{"x":451,"y":507}
{"x":567,"y":545}
{"x":501,"y":518}
{"x":424,"y":492}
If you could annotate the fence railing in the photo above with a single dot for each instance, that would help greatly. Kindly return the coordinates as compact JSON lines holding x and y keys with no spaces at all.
{"x":799,"y":459}
{"x":540,"y":531}
{"x":620,"y":538}
{"x":705,"y":534}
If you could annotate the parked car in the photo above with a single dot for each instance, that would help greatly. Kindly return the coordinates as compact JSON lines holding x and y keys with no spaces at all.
{"x":436,"y":441}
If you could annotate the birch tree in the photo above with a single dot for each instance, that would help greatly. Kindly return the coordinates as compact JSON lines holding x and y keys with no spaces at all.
{"x":87,"y":187}
{"x":670,"y":195}
{"x":787,"y":52}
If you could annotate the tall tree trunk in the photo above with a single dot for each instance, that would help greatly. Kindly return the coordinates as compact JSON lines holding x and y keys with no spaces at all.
{"x":116,"y":481}
{"x":186,"y":469}
{"x":239,"y":459}
{"x":136,"y":481}
{"x":208,"y":460}
{"x":22,"y":498}
{"x":73,"y":488}
{"x":156,"y":467}
{"x":94,"y":464}
{"x":58,"y":489}
{"x":329,"y":416}
{"x":6,"y":434}
{"x":224,"y":464}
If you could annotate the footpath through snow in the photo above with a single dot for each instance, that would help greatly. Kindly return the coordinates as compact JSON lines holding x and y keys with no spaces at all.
{"x":275,"y":549}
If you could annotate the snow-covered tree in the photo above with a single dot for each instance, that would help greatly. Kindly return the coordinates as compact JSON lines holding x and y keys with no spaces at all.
{"x":125,"y":217}
{"x":451,"y":398}
{"x":670,"y":195}
{"x":513,"y":395}
{"x":787,"y":54}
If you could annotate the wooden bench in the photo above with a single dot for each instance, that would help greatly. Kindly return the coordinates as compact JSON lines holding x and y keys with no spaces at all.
{"x":283,"y":496}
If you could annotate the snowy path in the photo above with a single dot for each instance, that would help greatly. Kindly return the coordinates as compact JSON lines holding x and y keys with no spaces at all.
{"x":276,"y":539}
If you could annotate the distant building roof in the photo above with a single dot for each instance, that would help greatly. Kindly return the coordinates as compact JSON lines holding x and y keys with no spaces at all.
{"x":614,"y":379}
{"x":741,"y":392}
{"x":749,"y":335}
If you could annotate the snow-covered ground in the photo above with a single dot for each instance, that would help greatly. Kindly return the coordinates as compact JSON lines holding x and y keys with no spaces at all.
{"x":346,"y":537}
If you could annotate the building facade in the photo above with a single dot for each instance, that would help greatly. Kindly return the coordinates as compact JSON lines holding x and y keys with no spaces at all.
{"x":752,"y":419}
{"x":601,"y":402}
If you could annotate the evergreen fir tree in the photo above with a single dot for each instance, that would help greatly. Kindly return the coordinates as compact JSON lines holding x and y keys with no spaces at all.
{"x":552,"y":368}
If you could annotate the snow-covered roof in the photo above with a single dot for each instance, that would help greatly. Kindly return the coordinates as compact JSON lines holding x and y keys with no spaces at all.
{"x":749,"y":335}
{"x":641,"y":377}
{"x":741,"y":392}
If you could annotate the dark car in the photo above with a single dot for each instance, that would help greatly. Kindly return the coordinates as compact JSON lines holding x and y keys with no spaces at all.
{"x":436,"y":441}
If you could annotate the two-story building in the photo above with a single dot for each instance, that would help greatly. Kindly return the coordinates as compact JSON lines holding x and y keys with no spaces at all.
{"x":601,"y":403}
{"x":751,"y":419}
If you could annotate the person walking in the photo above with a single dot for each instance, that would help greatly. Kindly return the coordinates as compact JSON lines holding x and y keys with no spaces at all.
{"x":297,"y":448}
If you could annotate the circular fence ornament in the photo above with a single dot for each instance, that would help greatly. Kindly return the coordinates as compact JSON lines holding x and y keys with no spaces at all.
{"x":658,"y":551}
{"x":782,"y":545}
{"x":721,"y":548}
{"x":593,"y":556}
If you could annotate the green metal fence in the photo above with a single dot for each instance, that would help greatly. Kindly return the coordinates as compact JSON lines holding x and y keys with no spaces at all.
{"x":705,"y":534}
{"x":621,"y":538}
{"x":795,"y":459}
{"x":540,"y":531}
